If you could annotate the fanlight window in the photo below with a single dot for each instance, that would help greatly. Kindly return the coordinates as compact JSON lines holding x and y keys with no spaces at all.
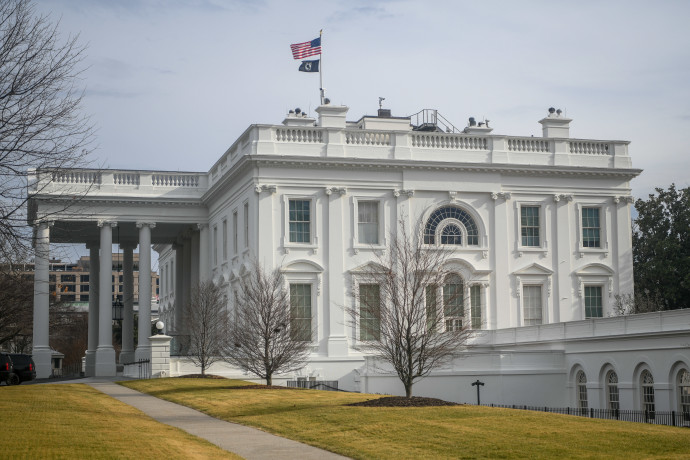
{"x":581,"y":390}
{"x":684,"y":389}
{"x":451,"y":233}
{"x":647,"y":391}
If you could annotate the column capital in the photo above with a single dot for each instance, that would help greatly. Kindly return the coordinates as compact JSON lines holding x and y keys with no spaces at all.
{"x":103,"y":223}
{"x":202,"y":226}
{"x":44,"y":223}
{"x":146,"y":224}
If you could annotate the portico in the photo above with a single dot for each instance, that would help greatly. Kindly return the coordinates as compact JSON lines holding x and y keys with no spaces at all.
{"x":98,"y":210}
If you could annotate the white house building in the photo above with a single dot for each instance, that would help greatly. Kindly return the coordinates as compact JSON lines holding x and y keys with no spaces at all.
{"x":539,"y":229}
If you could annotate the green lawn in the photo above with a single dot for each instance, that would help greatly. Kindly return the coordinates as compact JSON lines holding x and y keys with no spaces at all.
{"x":321,"y":419}
{"x":74,"y":421}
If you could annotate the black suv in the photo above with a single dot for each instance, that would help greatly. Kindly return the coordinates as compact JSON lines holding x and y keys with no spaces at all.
{"x":24,"y":368}
{"x":6,"y":368}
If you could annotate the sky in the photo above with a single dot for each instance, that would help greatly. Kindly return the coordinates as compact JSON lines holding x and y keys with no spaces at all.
{"x":170,"y":84}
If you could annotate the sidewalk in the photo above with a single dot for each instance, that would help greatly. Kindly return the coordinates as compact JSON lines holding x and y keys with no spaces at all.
{"x":250,"y":443}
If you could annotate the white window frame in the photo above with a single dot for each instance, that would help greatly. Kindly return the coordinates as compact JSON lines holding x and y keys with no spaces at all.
{"x":581,"y":390}
{"x":595,"y":275}
{"x":313,"y":216}
{"x":683,"y":398}
{"x":603,"y":228}
{"x":215,"y":245}
{"x":584,"y":299}
{"x":356,"y":244}
{"x":541,"y":298}
{"x":534,"y":275}
{"x":543,"y":241}
{"x":306,"y":272}
{"x":607,"y":389}
{"x":235,"y":230}
{"x":312,"y":305}
{"x":358,"y":331}
{"x":645,"y":390}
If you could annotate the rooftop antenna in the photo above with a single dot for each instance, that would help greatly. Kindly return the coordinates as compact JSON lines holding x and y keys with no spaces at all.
{"x":381,"y":99}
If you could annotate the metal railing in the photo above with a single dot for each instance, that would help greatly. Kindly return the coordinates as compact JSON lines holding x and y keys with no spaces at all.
{"x":669,"y":418}
{"x":141,"y":369}
{"x":327,"y":385}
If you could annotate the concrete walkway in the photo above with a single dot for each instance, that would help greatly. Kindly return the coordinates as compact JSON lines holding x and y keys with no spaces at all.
{"x":250,"y":443}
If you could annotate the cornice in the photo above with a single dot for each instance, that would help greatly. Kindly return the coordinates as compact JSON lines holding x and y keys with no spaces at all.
{"x":503,"y":168}
{"x":123,"y":201}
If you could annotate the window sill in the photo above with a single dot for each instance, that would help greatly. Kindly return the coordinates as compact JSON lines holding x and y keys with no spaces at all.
{"x":368,"y":247}
{"x":287,"y":247}
{"x":593,"y":251}
{"x":522,"y":250}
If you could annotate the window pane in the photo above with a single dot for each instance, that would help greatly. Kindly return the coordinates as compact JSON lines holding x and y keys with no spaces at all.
{"x":453,"y":303}
{"x":684,"y":388}
{"x":612,"y":390}
{"x":225,"y":240}
{"x":532,"y":305}
{"x":431,"y":308}
{"x":299,"y":216}
{"x":300,"y":312}
{"x":368,"y":222}
{"x":451,"y":234}
{"x":529,"y":223}
{"x":476,"y":306}
{"x":647,"y":383}
{"x":581,"y":390}
{"x":369,"y":312}
{"x":593,"y":307}
{"x":590,"y":228}
{"x":451,"y":212}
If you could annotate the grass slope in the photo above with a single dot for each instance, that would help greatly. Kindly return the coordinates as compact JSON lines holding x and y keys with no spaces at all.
{"x":321,"y":419}
{"x":74,"y":421}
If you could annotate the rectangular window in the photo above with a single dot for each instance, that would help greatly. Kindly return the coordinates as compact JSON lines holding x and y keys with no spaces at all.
{"x":84,"y":278}
{"x":532,"y":306}
{"x":591,"y":228}
{"x":368,"y":222}
{"x":215,"y":245}
{"x":431,"y":308}
{"x":246,"y":225}
{"x":529,"y":226}
{"x":300,"y":221}
{"x":84,"y":288}
{"x":369,"y":312}
{"x":593,"y":305}
{"x":225,"y":239}
{"x":234,"y":233}
{"x":300,"y":312}
{"x":476,"y":306}
{"x":453,"y":304}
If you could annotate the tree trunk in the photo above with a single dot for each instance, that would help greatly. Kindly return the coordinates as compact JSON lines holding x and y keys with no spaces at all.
{"x":408,"y":390}
{"x":269,"y":379}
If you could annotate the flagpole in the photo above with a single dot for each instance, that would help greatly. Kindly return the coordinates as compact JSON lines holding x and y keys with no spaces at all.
{"x":321,"y":67}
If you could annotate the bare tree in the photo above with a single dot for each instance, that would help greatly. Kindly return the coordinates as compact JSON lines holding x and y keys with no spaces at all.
{"x":40,"y":122}
{"x":409,"y":309}
{"x":206,"y":321}
{"x":16,"y":307}
{"x":267,"y":336}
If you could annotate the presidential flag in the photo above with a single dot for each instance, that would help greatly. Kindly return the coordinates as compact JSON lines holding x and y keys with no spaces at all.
{"x":309,"y":66}
{"x":306,"y":49}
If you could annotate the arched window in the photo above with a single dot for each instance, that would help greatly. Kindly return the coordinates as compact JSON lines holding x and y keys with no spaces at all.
{"x":684,"y":392}
{"x":613,"y":401}
{"x":458,"y":217}
{"x":451,"y":234}
{"x":581,"y":380}
{"x":453,"y":302}
{"x":647,"y":385}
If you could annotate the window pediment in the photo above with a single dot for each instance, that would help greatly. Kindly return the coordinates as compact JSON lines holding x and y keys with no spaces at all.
{"x":533,"y":269}
{"x":595,"y":270}
{"x":302,"y":266}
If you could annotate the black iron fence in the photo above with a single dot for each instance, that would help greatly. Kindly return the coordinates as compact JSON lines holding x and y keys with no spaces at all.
{"x":328,"y":385}
{"x":139,"y":369}
{"x":670,"y":418}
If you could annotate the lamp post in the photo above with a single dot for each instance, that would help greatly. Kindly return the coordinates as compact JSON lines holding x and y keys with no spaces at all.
{"x":478,"y":384}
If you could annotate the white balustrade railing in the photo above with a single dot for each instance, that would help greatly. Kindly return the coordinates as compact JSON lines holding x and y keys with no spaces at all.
{"x":367,"y":138}
{"x":449,"y":141}
{"x":77,"y":177}
{"x":590,"y":148}
{"x":291,"y":134}
{"x":175,"y":180}
{"x":126,"y":178}
{"x":521,"y":144}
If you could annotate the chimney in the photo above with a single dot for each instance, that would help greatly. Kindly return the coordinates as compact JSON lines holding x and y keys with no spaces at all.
{"x":332,"y":116}
{"x":555,"y":124}
{"x":298,"y":118}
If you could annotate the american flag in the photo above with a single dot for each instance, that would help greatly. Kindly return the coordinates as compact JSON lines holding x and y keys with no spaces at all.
{"x":306,"y":49}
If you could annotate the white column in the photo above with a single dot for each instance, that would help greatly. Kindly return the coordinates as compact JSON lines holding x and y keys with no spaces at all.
{"x":178,"y":289}
{"x":186,"y":274}
{"x":334,"y":296}
{"x":144,"y":345}
{"x":105,"y":353}
{"x":41,"y":347}
{"x":94,"y":270}
{"x":195,"y":244}
{"x":127,"y":353}
{"x":204,"y":251}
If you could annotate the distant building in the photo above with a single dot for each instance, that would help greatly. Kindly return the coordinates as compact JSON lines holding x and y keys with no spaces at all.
{"x":539,"y":229}
{"x":70,"y":282}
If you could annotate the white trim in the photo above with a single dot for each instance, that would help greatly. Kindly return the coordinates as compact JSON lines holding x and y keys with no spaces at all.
{"x":313,"y":243}
{"x":382,"y":223}
{"x":543,"y":242}
{"x":604,"y":217}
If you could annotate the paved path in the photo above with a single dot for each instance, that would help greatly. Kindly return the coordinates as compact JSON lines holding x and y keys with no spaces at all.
{"x":250,"y":443}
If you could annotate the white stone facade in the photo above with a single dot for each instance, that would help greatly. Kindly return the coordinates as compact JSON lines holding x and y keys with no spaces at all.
{"x":539,"y":230}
